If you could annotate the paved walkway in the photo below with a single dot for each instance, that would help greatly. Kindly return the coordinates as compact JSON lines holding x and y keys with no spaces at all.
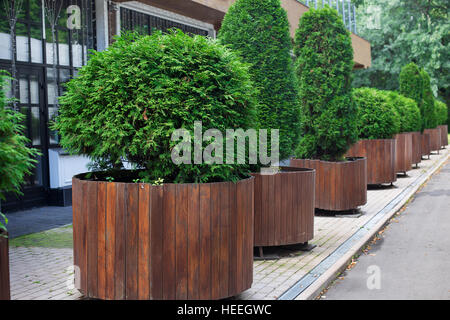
{"x":38,"y":219}
{"x":411,"y":259}
{"x":272,"y":278}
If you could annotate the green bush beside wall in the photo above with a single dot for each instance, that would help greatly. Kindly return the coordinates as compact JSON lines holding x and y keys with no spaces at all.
{"x":128,"y":100}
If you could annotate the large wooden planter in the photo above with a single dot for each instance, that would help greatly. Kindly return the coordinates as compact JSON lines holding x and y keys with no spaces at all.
{"x":403,"y":153}
{"x":175,"y":241}
{"x":435,"y":138}
{"x":444,"y":135}
{"x":4,"y":268}
{"x":426,"y":144}
{"x":416,"y":148}
{"x":284,"y":207}
{"x":340,"y":186}
{"x":380,"y":155}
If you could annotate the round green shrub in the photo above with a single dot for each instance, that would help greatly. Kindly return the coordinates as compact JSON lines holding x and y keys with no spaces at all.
{"x":259,"y":31}
{"x":16,"y":159}
{"x":441,"y":112}
{"x":377,"y":118}
{"x":324,"y":67}
{"x":428,"y":110}
{"x":408,"y":111}
{"x":128,"y":100}
{"x":411,"y":83}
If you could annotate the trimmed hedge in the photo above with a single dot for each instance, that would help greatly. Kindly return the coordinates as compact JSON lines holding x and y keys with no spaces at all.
{"x":16,"y":159}
{"x":128,"y":100}
{"x":324,"y":68}
{"x":407,"y":109}
{"x":428,"y":109}
{"x":411,"y":83}
{"x":259,"y":31}
{"x":441,"y":112}
{"x":377,"y":118}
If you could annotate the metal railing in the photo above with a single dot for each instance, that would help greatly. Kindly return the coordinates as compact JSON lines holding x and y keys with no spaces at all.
{"x":345,"y":8}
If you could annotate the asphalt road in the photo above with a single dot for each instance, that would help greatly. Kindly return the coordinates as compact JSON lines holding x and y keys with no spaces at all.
{"x":412,"y":258}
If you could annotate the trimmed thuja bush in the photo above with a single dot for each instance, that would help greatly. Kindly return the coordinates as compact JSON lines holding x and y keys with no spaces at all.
{"x":411,"y":83}
{"x":128,"y":100}
{"x":409,"y":116}
{"x":259,"y":31}
{"x":429,"y":113}
{"x":324,"y":67}
{"x":441,"y":112}
{"x":16,"y":159}
{"x":376,"y":118}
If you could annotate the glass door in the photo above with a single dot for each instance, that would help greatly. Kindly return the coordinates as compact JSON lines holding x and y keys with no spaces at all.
{"x":31,"y":103}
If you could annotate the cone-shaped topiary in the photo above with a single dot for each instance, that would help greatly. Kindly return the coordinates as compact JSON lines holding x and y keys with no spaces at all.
{"x":407,"y":109}
{"x":128,"y":100}
{"x":441,"y":112}
{"x":324,"y":66}
{"x":428,"y":111}
{"x":16,"y":159}
{"x":259,"y":31}
{"x":411,"y":86}
{"x":377,"y":119}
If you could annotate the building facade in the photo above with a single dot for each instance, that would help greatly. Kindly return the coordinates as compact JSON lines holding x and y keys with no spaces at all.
{"x":51,"y":40}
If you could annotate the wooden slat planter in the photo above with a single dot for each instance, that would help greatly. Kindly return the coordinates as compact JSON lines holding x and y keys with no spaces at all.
{"x":4,"y":268}
{"x":435,"y":138}
{"x":175,"y":241}
{"x":380,"y":155}
{"x":416,"y":149}
{"x":284,"y":207}
{"x":444,"y":135}
{"x":403,"y":153}
{"x":340,"y":186}
{"x":426,"y":144}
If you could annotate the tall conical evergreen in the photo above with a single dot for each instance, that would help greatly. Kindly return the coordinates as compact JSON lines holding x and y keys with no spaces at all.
{"x":429,"y":112}
{"x":324,"y":67}
{"x":259,"y":31}
{"x":411,"y":86}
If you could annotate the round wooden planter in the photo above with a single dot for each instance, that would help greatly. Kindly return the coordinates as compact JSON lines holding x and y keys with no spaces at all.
{"x":340,"y":186}
{"x":426,"y":144}
{"x":416,"y":149}
{"x":175,"y":241}
{"x":284,"y":207}
{"x":444,"y":135}
{"x":435,"y":138}
{"x":403,"y":152}
{"x":380,"y":155}
{"x":4,"y":268}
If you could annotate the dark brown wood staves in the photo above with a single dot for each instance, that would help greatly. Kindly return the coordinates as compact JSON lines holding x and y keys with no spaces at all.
{"x":174,"y":241}
{"x":403,"y":153}
{"x":284,"y":207}
{"x":4,"y":267}
{"x":340,"y":186}
{"x":380,"y":155}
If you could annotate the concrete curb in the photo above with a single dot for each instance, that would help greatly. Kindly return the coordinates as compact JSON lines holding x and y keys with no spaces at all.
{"x":340,"y":265}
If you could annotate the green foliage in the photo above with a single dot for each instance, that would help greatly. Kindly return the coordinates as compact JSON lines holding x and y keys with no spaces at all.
{"x":411,"y":83}
{"x":128,"y":100}
{"x":377,"y":118}
{"x":407,"y":109}
{"x":259,"y":31}
{"x":428,"y":110}
{"x":441,"y":112}
{"x":407,"y":31}
{"x":16,"y":158}
{"x":324,"y":66}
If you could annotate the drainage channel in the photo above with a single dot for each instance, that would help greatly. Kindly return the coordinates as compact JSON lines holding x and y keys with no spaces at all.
{"x":308,"y":279}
